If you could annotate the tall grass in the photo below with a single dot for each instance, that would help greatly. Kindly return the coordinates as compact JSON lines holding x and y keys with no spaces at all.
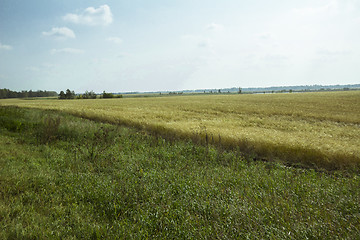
{"x":102,"y":181}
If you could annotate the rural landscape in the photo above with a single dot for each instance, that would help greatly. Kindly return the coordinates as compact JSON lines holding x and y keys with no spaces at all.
{"x":179,"y":119}
{"x":221,"y":166}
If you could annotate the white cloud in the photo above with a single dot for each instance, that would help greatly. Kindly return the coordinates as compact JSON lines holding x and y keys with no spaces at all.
{"x":5,"y":47}
{"x":67,"y":50}
{"x":214,"y":27}
{"x":116,"y":40}
{"x":60,"y":33}
{"x":91,"y":16}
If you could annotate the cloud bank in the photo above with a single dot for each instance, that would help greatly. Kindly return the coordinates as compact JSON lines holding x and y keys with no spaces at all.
{"x":60,"y":33}
{"x":91,"y":16}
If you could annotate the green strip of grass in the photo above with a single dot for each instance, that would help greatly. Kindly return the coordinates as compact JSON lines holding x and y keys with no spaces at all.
{"x":63,"y":177}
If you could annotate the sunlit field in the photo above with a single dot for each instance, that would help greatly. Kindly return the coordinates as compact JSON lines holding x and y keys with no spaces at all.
{"x":320,"y":130}
{"x":65,"y":177}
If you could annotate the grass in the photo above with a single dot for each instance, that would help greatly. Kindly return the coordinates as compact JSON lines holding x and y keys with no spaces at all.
{"x":318,"y":130}
{"x":93,"y":180}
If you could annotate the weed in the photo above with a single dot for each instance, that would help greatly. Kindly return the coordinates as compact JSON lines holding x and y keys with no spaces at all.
{"x":48,"y":132}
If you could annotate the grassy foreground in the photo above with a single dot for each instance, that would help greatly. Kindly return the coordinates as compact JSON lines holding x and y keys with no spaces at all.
{"x":63,"y":177}
{"x":320,"y":130}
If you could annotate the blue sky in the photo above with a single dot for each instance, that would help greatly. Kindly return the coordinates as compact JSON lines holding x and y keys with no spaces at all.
{"x":141,"y":45}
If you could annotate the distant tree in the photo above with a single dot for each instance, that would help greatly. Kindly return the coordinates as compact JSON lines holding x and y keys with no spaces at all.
{"x":240,"y":90}
{"x":69,"y":94}
{"x":92,"y":95}
{"x":23,"y":94}
{"x":88,"y":95}
{"x":62,"y":95}
{"x":85,"y":95}
{"x":107,"y":95}
{"x":6,"y":93}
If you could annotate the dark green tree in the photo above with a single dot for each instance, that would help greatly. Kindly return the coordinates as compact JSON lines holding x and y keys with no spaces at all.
{"x":69,"y":94}
{"x":62,"y":95}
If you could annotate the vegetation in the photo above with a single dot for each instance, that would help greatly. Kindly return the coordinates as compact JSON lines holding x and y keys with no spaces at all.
{"x":88,"y":95}
{"x":74,"y":178}
{"x":6,"y":93}
{"x":283,"y":89}
{"x":107,"y":95}
{"x":68,"y":95}
{"x":110,"y":95}
{"x":318,"y":130}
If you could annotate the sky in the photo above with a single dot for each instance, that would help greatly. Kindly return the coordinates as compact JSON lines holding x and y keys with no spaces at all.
{"x":171,"y":45}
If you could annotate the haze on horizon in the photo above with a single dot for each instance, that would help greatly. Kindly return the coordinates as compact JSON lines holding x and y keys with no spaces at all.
{"x":139,"y":45}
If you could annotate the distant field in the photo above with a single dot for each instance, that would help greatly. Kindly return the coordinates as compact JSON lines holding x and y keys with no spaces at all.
{"x":314,"y":129}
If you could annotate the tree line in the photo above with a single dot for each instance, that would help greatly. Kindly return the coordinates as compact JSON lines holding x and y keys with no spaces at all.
{"x":7,"y":93}
{"x":68,"y":94}
{"x":110,"y":95}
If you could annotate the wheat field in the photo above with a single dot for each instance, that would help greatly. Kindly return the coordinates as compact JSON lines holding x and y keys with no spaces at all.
{"x":315,"y":129}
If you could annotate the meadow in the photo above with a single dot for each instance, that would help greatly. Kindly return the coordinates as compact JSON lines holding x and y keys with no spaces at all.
{"x":66,"y":177}
{"x":318,"y":130}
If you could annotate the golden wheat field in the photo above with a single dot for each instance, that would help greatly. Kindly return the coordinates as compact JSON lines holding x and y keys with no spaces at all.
{"x":314,"y":129}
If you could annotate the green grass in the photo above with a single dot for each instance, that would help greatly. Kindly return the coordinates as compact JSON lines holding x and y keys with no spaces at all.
{"x":63,"y":177}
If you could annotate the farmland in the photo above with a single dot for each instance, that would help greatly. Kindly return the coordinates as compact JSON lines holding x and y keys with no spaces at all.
{"x":65,"y":177}
{"x":318,"y":130}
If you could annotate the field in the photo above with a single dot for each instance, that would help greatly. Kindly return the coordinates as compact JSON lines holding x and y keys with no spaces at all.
{"x":318,"y":130}
{"x":65,"y":177}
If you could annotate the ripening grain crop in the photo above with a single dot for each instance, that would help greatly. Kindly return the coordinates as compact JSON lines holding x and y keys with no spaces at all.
{"x":315,"y":129}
